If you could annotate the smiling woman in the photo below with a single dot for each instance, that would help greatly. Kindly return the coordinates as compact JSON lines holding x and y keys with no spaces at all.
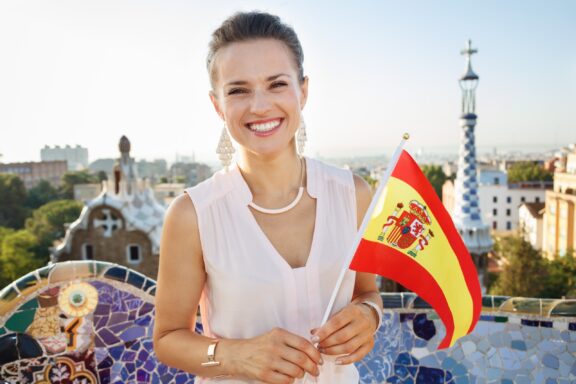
{"x":259,"y":246}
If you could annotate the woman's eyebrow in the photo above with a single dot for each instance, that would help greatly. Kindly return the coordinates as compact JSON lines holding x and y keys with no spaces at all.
{"x":243,"y":82}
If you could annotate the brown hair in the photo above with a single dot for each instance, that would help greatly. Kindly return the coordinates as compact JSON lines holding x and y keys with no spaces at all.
{"x":244,"y":26}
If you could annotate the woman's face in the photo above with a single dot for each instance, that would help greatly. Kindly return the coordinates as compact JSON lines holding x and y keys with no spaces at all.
{"x":258,"y":94}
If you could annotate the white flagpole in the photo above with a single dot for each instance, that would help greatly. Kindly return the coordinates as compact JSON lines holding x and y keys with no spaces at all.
{"x":365,"y":221}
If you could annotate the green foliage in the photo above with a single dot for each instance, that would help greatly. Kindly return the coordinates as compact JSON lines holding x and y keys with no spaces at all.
{"x":17,"y":256}
{"x":47,"y":222}
{"x":12,"y":201}
{"x":435,"y":176}
{"x":525,"y":272}
{"x":561,"y":279}
{"x":70,"y":179}
{"x":528,"y":274}
{"x":41,"y":194}
{"x":528,"y":171}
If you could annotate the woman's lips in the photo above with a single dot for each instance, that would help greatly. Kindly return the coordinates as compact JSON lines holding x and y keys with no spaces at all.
{"x":265,"y":127}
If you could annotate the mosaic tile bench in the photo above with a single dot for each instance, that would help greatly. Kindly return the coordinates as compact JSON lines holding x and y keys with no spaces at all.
{"x":88,"y":322}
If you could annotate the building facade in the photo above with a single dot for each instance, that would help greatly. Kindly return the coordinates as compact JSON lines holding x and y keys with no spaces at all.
{"x":500,"y":201}
{"x":560,"y":215}
{"x":121,"y":225}
{"x":77,"y":157}
{"x":531,"y":223}
{"x":32,"y":173}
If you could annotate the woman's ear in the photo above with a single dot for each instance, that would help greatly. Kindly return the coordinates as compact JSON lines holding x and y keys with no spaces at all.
{"x":216,"y":104}
{"x":303,"y":92}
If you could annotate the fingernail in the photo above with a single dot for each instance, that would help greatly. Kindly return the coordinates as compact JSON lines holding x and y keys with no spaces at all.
{"x":315,"y":339}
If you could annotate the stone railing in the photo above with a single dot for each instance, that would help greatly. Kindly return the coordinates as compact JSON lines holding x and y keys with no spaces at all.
{"x":91,"y":322}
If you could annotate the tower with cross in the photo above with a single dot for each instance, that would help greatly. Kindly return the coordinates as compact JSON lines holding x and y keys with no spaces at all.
{"x":466,"y":214}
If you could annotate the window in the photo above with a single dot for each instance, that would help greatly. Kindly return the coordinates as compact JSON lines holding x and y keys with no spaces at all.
{"x":133,"y":254}
{"x":87,"y":252}
{"x":494,"y":225}
{"x":496,"y":181}
{"x":494,"y":212}
{"x":522,"y":199}
{"x":495,"y":199}
{"x":508,"y":225}
{"x":537,"y":200}
{"x":509,"y":199}
{"x":508,"y":212}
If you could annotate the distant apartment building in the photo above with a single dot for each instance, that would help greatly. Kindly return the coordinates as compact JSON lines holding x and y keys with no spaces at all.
{"x":77,"y":157}
{"x":32,"y":173}
{"x":166,"y":192}
{"x":560,"y":215}
{"x":531,"y":223}
{"x":190,"y":173}
{"x":499,"y":200}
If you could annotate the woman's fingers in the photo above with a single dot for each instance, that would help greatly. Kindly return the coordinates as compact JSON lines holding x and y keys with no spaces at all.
{"x":302,"y":361}
{"x":278,"y":357}
{"x":355,"y":356}
{"x":304,"y":346}
{"x":349,"y":332}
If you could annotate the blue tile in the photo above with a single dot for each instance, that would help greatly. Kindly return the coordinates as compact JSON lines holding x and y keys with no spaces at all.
{"x":423,"y":327}
{"x":430,"y":376}
{"x":400,"y":370}
{"x":404,"y":359}
{"x":551,"y":361}
{"x":518,"y":344}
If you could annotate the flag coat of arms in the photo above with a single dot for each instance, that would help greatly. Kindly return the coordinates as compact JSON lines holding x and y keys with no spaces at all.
{"x":410,"y":238}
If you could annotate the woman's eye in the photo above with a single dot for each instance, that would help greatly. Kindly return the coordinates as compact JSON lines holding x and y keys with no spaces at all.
{"x":235,"y":91}
{"x":278,"y":84}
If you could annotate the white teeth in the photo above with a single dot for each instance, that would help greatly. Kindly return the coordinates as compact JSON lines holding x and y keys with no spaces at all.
{"x":265,"y":127}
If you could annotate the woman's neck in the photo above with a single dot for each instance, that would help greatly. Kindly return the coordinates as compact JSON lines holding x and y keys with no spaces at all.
{"x":272,"y":179}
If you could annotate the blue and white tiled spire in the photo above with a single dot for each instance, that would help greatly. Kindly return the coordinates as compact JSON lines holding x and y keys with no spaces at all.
{"x":466,"y":215}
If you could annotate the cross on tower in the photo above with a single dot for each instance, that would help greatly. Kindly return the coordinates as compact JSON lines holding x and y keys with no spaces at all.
{"x":468,"y":51}
{"x":109,"y":223}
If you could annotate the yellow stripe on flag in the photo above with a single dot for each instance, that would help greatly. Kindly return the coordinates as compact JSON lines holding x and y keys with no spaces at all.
{"x":438,"y":257}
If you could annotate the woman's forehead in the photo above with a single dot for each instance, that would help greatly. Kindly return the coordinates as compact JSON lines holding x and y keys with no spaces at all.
{"x":254,"y":60}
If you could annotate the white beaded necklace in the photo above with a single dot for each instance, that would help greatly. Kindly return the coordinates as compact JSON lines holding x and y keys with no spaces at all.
{"x":276,"y":211}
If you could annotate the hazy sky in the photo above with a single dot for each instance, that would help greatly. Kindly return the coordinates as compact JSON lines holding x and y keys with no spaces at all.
{"x":87,"y":72}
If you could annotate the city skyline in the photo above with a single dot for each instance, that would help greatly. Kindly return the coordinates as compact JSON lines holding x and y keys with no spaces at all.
{"x":86,"y":73}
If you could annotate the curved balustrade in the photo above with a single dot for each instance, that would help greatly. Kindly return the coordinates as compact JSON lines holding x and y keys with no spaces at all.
{"x":91,"y":322}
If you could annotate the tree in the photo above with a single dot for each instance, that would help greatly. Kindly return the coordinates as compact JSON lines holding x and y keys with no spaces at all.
{"x":17,"y":256}
{"x":12,"y":200}
{"x":41,"y":194}
{"x":528,"y":171}
{"x":525,"y":273}
{"x":435,"y":176}
{"x":48,"y":222}
{"x":70,"y":179}
{"x":561,"y":278}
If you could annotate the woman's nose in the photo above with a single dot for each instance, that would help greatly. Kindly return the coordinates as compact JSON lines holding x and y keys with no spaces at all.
{"x":260,"y":103}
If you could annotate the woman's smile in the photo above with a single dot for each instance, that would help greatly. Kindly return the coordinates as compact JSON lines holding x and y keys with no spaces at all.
{"x":265,"y":127}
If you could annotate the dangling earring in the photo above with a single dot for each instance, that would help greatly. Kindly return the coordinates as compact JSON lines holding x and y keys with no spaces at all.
{"x":301,"y":136}
{"x":225,"y":149}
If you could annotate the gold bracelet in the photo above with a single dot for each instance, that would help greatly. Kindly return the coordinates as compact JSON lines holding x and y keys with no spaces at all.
{"x":211,"y":355}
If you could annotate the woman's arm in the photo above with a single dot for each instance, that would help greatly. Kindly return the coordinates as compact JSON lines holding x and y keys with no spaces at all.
{"x":274,"y":357}
{"x":350,"y":332}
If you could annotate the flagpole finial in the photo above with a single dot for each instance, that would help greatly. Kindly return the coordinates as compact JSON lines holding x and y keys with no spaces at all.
{"x":406,"y":136}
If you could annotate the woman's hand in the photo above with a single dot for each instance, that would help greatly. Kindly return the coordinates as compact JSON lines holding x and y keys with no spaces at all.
{"x":274,"y":357}
{"x":349,"y":332}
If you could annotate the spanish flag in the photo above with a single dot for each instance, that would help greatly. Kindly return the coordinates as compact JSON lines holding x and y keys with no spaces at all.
{"x":410,"y":238}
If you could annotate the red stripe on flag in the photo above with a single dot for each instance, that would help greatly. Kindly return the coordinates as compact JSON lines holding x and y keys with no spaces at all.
{"x":388,"y":262}
{"x":408,"y":171}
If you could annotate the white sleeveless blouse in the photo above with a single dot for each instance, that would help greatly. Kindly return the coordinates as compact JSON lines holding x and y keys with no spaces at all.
{"x":250,"y":288}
